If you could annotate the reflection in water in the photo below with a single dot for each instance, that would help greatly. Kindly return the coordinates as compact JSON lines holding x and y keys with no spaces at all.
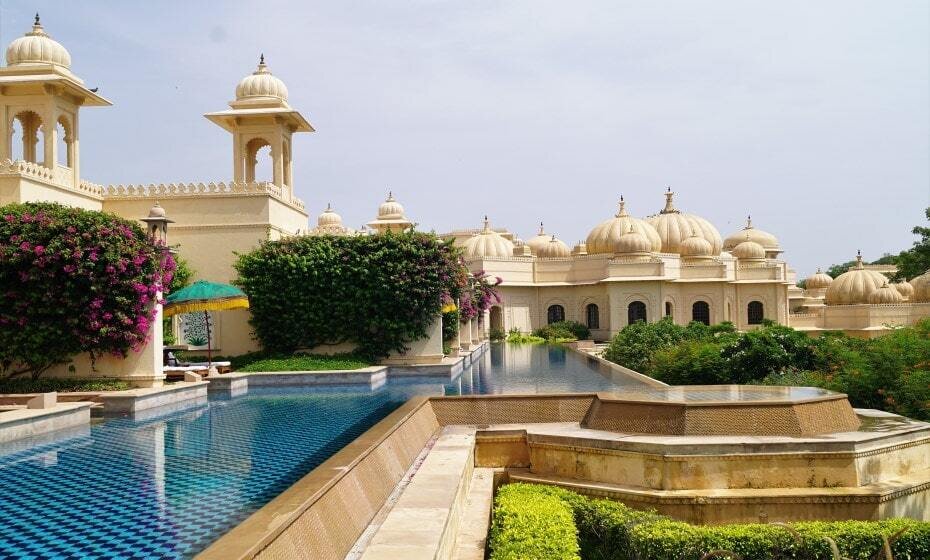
{"x":172,"y":483}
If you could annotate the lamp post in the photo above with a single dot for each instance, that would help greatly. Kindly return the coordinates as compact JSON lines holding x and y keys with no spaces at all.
{"x":157,"y":228}
{"x":157,"y":224}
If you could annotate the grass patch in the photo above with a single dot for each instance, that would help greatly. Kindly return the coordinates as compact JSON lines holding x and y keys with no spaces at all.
{"x":48,"y":385}
{"x":306,"y":362}
{"x":301,"y":361}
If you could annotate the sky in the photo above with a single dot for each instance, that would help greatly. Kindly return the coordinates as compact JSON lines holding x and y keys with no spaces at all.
{"x":813,"y":117}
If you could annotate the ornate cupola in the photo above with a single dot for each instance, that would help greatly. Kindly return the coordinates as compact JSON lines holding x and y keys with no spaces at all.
{"x":40,"y":97}
{"x":260,"y":116}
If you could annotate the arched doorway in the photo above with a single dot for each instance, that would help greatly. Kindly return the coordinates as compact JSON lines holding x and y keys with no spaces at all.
{"x":700,"y":312}
{"x":755,"y":312}
{"x":555,"y":314}
{"x":496,"y":318}
{"x":636,"y":311}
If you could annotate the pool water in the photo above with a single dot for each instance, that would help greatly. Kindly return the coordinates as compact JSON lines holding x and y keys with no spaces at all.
{"x":169,"y":486}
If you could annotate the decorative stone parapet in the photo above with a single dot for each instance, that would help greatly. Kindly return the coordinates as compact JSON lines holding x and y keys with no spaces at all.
{"x":162,"y":190}
{"x":60,"y":177}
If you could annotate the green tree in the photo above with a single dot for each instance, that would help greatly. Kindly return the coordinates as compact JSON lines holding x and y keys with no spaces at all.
{"x":916,"y":260}
{"x":380,"y":292}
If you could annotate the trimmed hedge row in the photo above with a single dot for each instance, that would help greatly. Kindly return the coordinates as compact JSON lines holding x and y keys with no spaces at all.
{"x":609,"y":530}
{"x":532,"y":524}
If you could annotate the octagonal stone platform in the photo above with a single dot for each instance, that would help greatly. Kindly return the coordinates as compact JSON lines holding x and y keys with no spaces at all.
{"x":723,"y":410}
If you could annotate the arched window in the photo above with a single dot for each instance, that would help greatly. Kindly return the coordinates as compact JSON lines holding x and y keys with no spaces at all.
{"x":592,"y":314}
{"x":259,"y":165}
{"x":700,"y":312}
{"x":32,"y":147}
{"x":755,"y":312}
{"x":668,"y":309}
{"x":636,"y":311}
{"x":555,"y":314}
{"x":65,"y":139}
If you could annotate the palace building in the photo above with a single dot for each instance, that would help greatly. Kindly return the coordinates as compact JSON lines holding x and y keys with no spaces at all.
{"x":669,"y":264}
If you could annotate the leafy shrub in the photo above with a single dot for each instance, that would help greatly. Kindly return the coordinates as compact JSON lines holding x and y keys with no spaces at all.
{"x":529,"y":524}
{"x":609,"y":530}
{"x":497,"y":335}
{"x":690,"y":363}
{"x":891,"y":372}
{"x":379,"y":291}
{"x":74,"y":281}
{"x":563,"y":331}
{"x":60,"y":385}
{"x":634,"y":345}
{"x":771,"y":349}
{"x":450,"y":325}
{"x":517,"y":337}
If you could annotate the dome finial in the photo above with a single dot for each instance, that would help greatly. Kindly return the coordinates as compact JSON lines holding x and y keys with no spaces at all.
{"x":859,"y":258}
{"x":38,"y":22}
{"x":748,"y":222}
{"x":669,"y":202}
{"x":541,"y":230}
{"x":390,"y":197}
{"x":487,"y":223}
{"x":621,"y":208}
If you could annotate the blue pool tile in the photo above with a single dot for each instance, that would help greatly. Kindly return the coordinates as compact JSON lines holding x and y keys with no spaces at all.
{"x":167,"y":488}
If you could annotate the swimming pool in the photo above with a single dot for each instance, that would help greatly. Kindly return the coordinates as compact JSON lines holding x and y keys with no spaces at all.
{"x":168,"y":487}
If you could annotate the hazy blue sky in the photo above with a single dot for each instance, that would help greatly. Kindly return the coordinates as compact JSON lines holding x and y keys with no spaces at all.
{"x":811,"y":116}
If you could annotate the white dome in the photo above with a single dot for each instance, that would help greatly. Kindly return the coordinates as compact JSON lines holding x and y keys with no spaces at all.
{"x":488,"y":243}
{"x":261,"y":84}
{"x":885,"y":294}
{"x":749,"y":251}
{"x":538,"y":241}
{"x":674,"y":227}
{"x":696,"y":247}
{"x":554,"y":249}
{"x":633,"y":243}
{"x":905,"y":289}
{"x":818,"y":281}
{"x":854,"y":286}
{"x":921,"y":285}
{"x":604,"y":237}
{"x":768,"y":241}
{"x":390,"y":209}
{"x":329,"y":217}
{"x":36,"y":47}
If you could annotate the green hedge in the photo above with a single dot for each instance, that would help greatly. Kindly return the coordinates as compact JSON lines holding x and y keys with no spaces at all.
{"x":378,"y":292}
{"x":609,"y":530}
{"x":529,"y":524}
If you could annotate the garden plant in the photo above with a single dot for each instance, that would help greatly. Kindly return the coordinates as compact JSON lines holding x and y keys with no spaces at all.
{"x":74,"y":281}
{"x":549,"y":523}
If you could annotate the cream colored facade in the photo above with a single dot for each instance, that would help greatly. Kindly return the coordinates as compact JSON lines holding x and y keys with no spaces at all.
{"x":668,"y":264}
{"x":212,"y":220}
{"x":862,"y":301}
{"x":672,"y":264}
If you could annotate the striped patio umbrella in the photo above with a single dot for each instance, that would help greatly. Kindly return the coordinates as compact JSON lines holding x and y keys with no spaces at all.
{"x":205,"y":296}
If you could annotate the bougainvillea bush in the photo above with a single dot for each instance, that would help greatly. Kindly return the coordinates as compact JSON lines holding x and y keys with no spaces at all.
{"x":478,"y":296}
{"x":73,"y":281}
{"x":379,"y":292}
